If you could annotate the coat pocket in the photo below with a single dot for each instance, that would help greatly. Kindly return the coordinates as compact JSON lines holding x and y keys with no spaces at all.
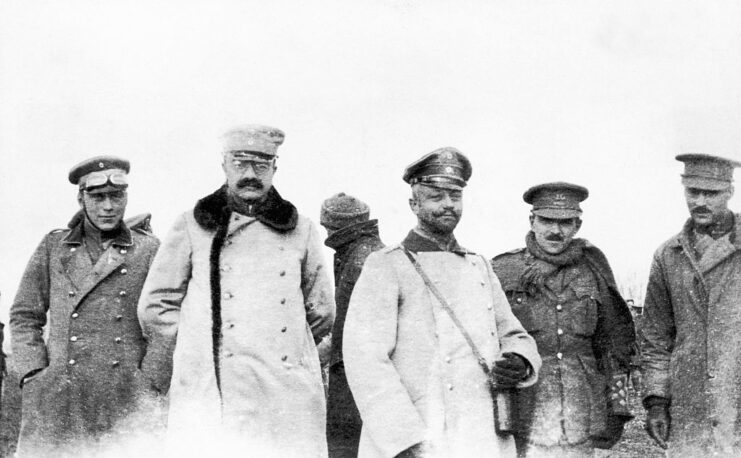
{"x":584,"y":311}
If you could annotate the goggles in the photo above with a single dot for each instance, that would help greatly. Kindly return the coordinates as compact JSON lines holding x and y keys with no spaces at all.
{"x":116,"y":178}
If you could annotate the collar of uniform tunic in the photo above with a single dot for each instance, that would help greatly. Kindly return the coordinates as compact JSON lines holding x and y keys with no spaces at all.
{"x":687,"y":235}
{"x":416,"y":242}
{"x":213,"y":211}
{"x":77,"y":232}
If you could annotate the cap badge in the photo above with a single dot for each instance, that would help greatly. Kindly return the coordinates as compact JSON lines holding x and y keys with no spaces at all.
{"x":559,"y":196}
{"x":448,"y":169}
{"x":101,"y":165}
{"x":448,"y":155}
{"x":250,"y":142}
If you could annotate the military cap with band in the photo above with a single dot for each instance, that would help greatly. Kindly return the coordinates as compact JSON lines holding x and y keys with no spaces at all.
{"x":252,"y":139}
{"x":101,"y":174}
{"x":443,"y":168}
{"x":703,"y":171}
{"x":558,"y":200}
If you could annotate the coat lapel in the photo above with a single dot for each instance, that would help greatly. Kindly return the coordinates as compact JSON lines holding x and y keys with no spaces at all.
{"x":111,"y":259}
{"x":76,"y":264}
{"x":717,"y":252}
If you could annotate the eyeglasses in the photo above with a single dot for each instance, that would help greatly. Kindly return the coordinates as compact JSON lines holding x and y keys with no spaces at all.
{"x":260,"y":167}
{"x":98,"y":179}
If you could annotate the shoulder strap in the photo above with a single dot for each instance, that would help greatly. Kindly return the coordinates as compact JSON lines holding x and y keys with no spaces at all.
{"x":446,"y":307}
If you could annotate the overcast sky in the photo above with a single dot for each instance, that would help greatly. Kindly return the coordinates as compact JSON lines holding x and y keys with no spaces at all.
{"x":603,"y":94}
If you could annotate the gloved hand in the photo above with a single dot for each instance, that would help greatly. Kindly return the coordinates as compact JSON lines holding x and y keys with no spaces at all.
{"x":509,"y":371}
{"x":658,"y":423}
{"x":612,"y":433}
{"x":419,"y":450}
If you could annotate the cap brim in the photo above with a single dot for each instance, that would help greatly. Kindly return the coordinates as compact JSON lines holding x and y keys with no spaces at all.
{"x":557,"y":213}
{"x":705,"y":183}
{"x":106,"y":188}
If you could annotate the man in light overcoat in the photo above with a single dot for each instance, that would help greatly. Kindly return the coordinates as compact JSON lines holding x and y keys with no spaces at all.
{"x":82,"y":382}
{"x":692,"y":343}
{"x":422,"y":389}
{"x":236,"y":301}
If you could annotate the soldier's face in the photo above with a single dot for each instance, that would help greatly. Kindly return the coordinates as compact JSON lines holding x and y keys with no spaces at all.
{"x":707,"y":206}
{"x":250,"y":180}
{"x":104,"y":209}
{"x":554,"y":235}
{"x":438,"y":210}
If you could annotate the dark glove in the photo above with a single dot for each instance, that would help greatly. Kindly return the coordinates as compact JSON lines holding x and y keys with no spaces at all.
{"x":658,"y":423}
{"x":612,"y":433}
{"x":415,"y":451}
{"x":509,"y":371}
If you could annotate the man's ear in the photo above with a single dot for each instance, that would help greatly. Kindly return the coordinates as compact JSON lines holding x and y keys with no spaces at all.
{"x":414,"y":205}
{"x":80,"y":200}
{"x":578,"y":225}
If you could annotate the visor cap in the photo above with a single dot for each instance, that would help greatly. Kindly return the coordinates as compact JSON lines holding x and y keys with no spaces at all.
{"x":79,"y":173}
{"x":558,"y":200}
{"x":443,"y":168}
{"x":704,"y":171}
{"x":252,"y":138}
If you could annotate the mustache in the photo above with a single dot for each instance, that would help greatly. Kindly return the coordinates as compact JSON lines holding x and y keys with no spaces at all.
{"x":554,"y":238}
{"x":702,"y":209}
{"x":446,"y":213}
{"x":252,"y":182}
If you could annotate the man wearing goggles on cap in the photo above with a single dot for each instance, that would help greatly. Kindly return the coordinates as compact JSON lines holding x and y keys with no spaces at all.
{"x":83,"y":380}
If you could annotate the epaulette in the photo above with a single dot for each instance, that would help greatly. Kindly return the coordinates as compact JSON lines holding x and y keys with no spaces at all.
{"x":506,"y":253}
{"x":56,"y":231}
{"x":140,"y":223}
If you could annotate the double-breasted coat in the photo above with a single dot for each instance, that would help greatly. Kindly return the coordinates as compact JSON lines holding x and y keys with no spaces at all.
{"x":692,"y":343}
{"x":412,"y":373}
{"x":232,"y":310}
{"x":89,"y":377}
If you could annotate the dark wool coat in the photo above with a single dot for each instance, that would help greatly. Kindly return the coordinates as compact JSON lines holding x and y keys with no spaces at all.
{"x":692,"y":349}
{"x":89,"y":378}
{"x":585,"y":335}
{"x":352,"y":246}
{"x":232,"y":310}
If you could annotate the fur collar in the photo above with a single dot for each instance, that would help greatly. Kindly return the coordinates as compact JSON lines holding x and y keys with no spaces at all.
{"x":213,"y":211}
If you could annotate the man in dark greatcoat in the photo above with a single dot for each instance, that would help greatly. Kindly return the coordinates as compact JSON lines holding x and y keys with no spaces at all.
{"x":353,"y":237}
{"x":692,"y":347}
{"x":563,"y":292}
{"x":80,"y":384}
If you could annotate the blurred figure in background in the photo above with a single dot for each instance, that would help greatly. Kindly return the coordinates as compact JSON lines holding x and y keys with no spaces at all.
{"x":353,"y":236}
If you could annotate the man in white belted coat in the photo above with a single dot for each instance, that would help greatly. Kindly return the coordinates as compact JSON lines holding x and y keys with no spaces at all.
{"x":420,"y":387}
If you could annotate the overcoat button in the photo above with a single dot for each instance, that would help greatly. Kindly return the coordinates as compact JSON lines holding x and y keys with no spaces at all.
{"x":447,"y":359}
{"x":518,"y":300}
{"x":283,"y":358}
{"x":282,"y":273}
{"x":559,"y":355}
{"x":118,"y":317}
{"x":72,"y":362}
{"x":559,"y":308}
{"x":227,"y":295}
{"x":559,"y":331}
{"x":114,"y":363}
{"x":73,"y":338}
{"x":283,"y":301}
{"x":450,"y":387}
{"x":72,"y":294}
{"x":75,"y":315}
{"x":117,"y":340}
{"x":123,"y":251}
{"x":124,"y":271}
{"x":283,"y":329}
{"x":73,"y":249}
{"x":122,"y":293}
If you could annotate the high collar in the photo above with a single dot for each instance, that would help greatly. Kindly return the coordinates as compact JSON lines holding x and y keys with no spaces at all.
{"x":686,"y":233}
{"x":77,"y":232}
{"x":416,"y":242}
{"x":213,"y":211}
{"x":349,"y":234}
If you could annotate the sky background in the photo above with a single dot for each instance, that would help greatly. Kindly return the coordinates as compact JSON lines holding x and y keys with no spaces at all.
{"x":603,"y":94}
